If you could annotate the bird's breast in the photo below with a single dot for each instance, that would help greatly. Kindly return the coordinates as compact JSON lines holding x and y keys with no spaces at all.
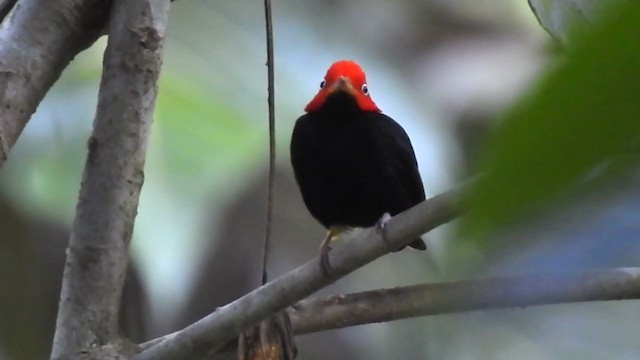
{"x":345,"y":158}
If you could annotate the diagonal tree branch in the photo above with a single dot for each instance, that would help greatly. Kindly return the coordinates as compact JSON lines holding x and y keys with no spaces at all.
{"x":112,"y":179}
{"x":213,"y":331}
{"x":339,"y":311}
{"x":37,"y":40}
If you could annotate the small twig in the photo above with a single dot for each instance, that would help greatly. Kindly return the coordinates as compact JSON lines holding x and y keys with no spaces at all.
{"x":272,"y":139}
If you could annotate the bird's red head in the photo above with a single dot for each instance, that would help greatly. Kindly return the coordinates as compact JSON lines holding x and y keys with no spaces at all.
{"x":344,"y":75}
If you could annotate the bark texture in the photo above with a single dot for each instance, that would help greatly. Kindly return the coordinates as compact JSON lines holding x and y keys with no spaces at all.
{"x":339,"y":311}
{"x":38,"y":38}
{"x":112,"y":179}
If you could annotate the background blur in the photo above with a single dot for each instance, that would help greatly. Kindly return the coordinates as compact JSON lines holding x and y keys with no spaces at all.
{"x":444,"y":69}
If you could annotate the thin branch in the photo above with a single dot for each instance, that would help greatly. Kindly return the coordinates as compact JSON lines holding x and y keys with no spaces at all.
{"x":272,"y":138}
{"x":37,"y":41}
{"x":113,"y":176}
{"x":213,"y":331}
{"x":340,"y":311}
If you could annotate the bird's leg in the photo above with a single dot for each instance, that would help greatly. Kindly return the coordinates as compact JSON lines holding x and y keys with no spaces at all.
{"x":324,"y":254}
{"x":381,"y":226}
{"x":332,"y":234}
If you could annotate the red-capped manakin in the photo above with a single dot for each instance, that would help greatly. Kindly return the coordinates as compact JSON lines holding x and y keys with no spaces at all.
{"x":353,"y":164}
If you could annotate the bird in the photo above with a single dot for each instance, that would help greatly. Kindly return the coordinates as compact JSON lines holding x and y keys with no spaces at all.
{"x":354,"y":165}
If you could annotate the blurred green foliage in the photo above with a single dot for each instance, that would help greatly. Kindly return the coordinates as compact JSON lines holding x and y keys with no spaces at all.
{"x":199,"y":135}
{"x":584,"y":113}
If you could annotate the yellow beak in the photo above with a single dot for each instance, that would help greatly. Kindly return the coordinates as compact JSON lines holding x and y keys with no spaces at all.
{"x":343,"y":84}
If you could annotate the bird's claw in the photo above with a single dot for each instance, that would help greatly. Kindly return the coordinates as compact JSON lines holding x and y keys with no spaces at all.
{"x":381,"y":226}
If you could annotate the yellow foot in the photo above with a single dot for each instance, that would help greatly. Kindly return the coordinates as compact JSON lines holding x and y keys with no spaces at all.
{"x":333,"y":233}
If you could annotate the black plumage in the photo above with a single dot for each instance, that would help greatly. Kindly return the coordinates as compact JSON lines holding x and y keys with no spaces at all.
{"x":352,"y":165}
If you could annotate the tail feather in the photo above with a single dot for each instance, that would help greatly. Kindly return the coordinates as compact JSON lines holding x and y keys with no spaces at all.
{"x":418,"y":244}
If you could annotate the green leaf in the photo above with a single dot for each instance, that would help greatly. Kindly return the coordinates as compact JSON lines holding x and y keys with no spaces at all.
{"x":584,"y":113}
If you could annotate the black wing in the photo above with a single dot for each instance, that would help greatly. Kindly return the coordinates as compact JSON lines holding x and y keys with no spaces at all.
{"x":406,"y":166}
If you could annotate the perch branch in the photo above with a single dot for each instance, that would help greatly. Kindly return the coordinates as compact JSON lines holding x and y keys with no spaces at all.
{"x":213,"y":331}
{"x":37,"y":40}
{"x":112,"y":179}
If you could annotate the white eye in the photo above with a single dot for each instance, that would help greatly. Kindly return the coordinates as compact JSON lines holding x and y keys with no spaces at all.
{"x":365,"y":89}
{"x":322,"y":84}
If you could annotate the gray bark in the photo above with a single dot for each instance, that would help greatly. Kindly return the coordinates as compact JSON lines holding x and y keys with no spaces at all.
{"x":113,"y":175}
{"x":339,"y":311}
{"x":37,"y":40}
